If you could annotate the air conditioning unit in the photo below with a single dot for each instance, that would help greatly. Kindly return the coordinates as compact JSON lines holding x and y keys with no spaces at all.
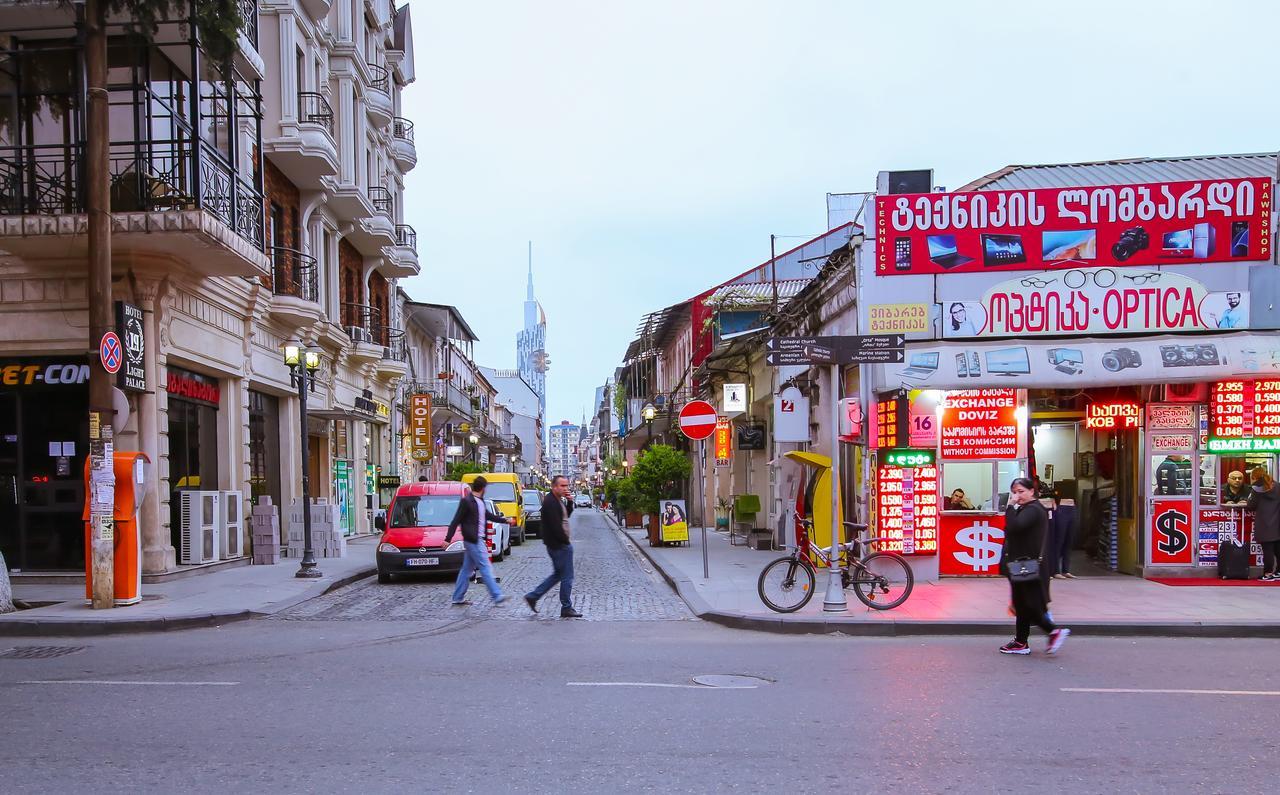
{"x":232,"y":530}
{"x":359,"y":334}
{"x":1186,"y":393}
{"x":201,"y":524}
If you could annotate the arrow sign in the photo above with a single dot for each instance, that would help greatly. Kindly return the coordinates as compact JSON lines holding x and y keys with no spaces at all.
{"x":866,"y":349}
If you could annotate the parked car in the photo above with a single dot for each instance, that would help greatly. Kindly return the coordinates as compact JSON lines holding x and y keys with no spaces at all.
{"x":531,"y":502}
{"x":504,"y":490}
{"x":582,"y":501}
{"x":415,"y":525}
{"x":497,"y":534}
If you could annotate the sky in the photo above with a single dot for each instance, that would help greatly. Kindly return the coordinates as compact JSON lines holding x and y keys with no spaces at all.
{"x":649,"y":149}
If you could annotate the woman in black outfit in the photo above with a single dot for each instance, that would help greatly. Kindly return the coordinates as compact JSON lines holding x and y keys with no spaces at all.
{"x":1026,"y":525}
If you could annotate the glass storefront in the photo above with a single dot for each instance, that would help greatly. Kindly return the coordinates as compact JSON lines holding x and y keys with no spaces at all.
{"x":193,"y":439}
{"x":264,"y":446}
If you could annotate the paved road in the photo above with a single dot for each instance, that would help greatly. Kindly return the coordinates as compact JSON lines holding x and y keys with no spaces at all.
{"x":446,"y":704}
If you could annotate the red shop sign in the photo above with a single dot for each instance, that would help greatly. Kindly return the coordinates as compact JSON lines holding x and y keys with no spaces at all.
{"x":970,"y":545}
{"x":1159,"y":223}
{"x":1169,"y":540}
{"x":191,"y":386}
{"x":979,"y":424}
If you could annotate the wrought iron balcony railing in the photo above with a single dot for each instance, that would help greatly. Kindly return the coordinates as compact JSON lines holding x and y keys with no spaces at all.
{"x":395,"y":345}
{"x":381,"y":199}
{"x":407,"y":237}
{"x":360,"y":320}
{"x":379,"y":78}
{"x":249,"y":14}
{"x":296,"y":274}
{"x":402,"y":129}
{"x":313,"y":108}
{"x":445,"y":395}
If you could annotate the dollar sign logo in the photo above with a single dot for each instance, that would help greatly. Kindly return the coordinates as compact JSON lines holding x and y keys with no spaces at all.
{"x":983,"y":542}
{"x":1168,"y":524}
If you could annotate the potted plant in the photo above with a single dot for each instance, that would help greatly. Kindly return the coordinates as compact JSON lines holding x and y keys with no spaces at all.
{"x":724,"y":509}
{"x":658,"y":475}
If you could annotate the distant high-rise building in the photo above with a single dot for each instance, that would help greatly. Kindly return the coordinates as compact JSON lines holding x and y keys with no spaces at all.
{"x":562,"y":451}
{"x":531,"y":353}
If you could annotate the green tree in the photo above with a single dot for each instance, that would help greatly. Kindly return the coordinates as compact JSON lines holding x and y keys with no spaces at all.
{"x":459,"y":468}
{"x":659,"y":474}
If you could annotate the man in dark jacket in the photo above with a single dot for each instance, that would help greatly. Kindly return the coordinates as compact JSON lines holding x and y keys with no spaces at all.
{"x":470,"y":518}
{"x":556,"y":509}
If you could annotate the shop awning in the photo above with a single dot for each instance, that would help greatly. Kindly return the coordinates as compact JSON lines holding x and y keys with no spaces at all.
{"x":342,"y":413}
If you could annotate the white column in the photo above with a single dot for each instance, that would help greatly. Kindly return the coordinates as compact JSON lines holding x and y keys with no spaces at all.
{"x":288,"y":73}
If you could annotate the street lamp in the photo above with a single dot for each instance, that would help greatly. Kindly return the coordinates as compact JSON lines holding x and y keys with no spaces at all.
{"x":303,"y":365}
{"x":475,"y":449}
{"x":649,"y":412}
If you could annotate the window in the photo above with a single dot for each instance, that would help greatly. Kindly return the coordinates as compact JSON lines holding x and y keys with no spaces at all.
{"x":978,"y":485}
{"x":428,"y":511}
{"x":500,"y":492}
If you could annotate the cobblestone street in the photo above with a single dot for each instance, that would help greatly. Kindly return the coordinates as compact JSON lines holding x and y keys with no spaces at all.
{"x":612,"y":583}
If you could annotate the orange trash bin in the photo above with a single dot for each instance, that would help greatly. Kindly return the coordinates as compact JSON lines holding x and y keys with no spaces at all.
{"x":131,"y":485}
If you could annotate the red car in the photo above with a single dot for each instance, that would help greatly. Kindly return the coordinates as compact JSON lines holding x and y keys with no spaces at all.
{"x":415,"y":526}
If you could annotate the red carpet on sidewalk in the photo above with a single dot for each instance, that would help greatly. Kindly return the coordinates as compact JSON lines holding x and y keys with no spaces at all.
{"x":1210,"y":581}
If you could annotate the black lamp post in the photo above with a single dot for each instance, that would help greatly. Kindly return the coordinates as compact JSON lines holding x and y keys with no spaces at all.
{"x":303,"y":365}
{"x":649,"y":412}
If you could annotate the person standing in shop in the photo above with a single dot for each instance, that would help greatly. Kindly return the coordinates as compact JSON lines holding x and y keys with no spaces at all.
{"x":1265,"y":504}
{"x":1026,"y":527}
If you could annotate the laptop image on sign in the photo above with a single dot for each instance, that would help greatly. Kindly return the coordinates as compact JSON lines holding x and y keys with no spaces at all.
{"x":942,"y":251}
{"x":922,"y":365}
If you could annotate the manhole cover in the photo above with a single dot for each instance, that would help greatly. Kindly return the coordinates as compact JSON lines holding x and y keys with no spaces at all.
{"x":731,"y":680}
{"x":39,"y":652}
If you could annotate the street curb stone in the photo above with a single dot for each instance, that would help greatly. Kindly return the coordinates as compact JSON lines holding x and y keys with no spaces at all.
{"x":37,"y":627}
{"x":812,"y":625}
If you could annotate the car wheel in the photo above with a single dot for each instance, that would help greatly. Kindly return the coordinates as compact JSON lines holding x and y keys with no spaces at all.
{"x":384,"y":577}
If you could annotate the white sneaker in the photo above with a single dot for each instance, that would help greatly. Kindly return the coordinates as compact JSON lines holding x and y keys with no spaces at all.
{"x":1056,"y":639}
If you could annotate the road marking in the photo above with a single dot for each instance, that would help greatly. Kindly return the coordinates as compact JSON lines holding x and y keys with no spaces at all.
{"x":1170,"y":691}
{"x":656,"y":684}
{"x":126,"y":682}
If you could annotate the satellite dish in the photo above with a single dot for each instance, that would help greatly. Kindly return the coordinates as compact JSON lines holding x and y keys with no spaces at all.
{"x":119,"y":408}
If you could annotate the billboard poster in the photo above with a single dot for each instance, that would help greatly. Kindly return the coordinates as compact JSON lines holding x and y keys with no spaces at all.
{"x":1169,"y":541}
{"x":674,"y":524}
{"x":980,"y":424}
{"x":970,"y":545}
{"x":1144,"y":225}
{"x":1220,"y":524}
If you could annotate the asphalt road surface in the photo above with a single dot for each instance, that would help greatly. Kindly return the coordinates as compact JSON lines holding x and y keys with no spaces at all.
{"x":384,"y":689}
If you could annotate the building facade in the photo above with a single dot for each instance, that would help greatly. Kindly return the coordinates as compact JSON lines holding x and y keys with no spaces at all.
{"x":562,"y":449}
{"x":531,"y":344}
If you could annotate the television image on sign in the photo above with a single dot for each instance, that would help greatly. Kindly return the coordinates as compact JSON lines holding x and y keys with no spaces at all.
{"x":1179,"y":243}
{"x":1074,"y":246}
{"x":1002,"y":250}
{"x":1008,"y":361}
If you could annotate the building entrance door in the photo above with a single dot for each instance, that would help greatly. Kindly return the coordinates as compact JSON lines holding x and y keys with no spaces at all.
{"x":1171,"y":505}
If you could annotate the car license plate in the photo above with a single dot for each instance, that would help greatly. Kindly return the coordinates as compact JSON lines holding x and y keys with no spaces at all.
{"x":422,"y":562}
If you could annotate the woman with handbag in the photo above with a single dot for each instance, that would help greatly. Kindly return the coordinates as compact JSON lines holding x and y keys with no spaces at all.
{"x":1026,"y":524}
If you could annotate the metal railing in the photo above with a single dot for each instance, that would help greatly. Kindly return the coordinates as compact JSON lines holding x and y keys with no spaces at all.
{"x":445,"y":395}
{"x":407,"y":237}
{"x":295,"y":274}
{"x":313,"y":108}
{"x":249,"y":15}
{"x":360,"y":320}
{"x":381,"y":199}
{"x":145,"y":176}
{"x":402,"y":129}
{"x":395,"y":345}
{"x":379,"y":78}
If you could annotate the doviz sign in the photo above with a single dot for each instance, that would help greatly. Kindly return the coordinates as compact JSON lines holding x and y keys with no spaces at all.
{"x":133,"y":375}
{"x":866,"y":349}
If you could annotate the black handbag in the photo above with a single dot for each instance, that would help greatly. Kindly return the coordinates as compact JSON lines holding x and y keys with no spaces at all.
{"x":1024,"y":570}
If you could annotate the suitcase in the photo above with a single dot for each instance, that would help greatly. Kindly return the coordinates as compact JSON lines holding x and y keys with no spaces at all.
{"x":1233,"y":559}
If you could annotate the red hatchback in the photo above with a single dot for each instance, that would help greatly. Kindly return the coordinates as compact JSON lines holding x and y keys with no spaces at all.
{"x":414,"y":530}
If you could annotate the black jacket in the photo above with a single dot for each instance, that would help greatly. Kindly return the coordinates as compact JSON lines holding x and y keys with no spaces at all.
{"x":1024,"y":533}
{"x":1265,"y":504}
{"x":555,"y":512}
{"x":467,"y":518}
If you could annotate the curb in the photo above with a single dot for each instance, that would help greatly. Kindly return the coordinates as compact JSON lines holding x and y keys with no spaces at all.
{"x":817,"y":625}
{"x":36,"y":627}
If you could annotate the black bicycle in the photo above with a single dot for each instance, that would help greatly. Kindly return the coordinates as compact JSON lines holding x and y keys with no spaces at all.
{"x":881,"y":580}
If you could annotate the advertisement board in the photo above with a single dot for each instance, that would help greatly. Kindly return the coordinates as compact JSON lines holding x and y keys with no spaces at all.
{"x":1244,"y":416}
{"x":907,"y":504}
{"x":1096,"y":301}
{"x":898,"y":318}
{"x":970,"y":545}
{"x":1160,"y":223}
{"x":420,"y":441}
{"x":674,"y":524}
{"x":1169,"y":541}
{"x":1219,"y":524}
{"x":980,"y":424}
{"x":723,"y":441}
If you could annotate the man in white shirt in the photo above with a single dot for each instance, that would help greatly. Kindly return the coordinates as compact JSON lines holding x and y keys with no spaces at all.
{"x":470,"y":518}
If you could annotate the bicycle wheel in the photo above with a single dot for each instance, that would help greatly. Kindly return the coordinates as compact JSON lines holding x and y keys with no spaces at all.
{"x":786,"y":585}
{"x":884,"y":582}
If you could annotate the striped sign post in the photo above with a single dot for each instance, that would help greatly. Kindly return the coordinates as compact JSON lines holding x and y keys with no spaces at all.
{"x":698,"y":422}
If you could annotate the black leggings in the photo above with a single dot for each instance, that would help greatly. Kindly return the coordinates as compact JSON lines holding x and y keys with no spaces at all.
{"x":1270,"y":551}
{"x":1029,"y":605}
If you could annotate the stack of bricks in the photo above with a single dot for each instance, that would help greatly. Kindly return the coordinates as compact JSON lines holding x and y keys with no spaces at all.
{"x":327,"y":540}
{"x":265,"y":522}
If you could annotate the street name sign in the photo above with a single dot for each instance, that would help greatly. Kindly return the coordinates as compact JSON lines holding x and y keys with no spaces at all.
{"x":864,"y":349}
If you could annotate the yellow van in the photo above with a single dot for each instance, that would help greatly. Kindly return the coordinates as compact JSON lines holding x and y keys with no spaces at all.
{"x":504,"y":489}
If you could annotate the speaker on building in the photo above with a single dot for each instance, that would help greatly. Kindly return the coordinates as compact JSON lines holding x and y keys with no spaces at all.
{"x":1186,"y":393}
{"x":889,"y":183}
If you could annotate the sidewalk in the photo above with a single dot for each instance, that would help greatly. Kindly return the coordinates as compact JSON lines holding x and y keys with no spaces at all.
{"x":205,"y":600}
{"x":1097,"y":605}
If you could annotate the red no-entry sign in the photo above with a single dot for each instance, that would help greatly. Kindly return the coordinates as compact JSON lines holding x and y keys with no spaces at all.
{"x":698,"y":419}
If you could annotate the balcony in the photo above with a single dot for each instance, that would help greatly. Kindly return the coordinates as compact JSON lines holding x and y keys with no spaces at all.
{"x":375,"y":231}
{"x":403,"y":149}
{"x":306,"y":151}
{"x":295,"y":287}
{"x":249,"y":14}
{"x":449,"y":398}
{"x":363,"y":324}
{"x":401,"y":260}
{"x":318,"y":9}
{"x":395,"y":353}
{"x":172,"y":199}
{"x":247,"y":58}
{"x":377,"y":101}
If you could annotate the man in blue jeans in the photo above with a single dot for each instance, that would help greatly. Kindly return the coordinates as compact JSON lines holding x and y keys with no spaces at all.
{"x":556,"y":509}
{"x":470,"y":518}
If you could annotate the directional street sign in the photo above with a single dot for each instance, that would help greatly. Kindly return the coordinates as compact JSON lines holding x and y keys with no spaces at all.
{"x":872,"y":349}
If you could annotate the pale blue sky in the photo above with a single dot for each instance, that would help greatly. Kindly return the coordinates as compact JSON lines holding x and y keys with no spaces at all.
{"x":650,"y":148}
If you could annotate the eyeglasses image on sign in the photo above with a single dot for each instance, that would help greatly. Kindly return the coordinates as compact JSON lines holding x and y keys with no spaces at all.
{"x":1131,"y":241}
{"x":1037,"y":282}
{"x":1103,"y":277}
{"x":1189,"y":355}
{"x":943,"y":251}
{"x":1002,"y":250}
{"x":1009,"y":361}
{"x":1074,"y":246}
{"x":1143,"y":278}
{"x":1121,"y":359}
{"x":921,"y":366}
{"x":1067,"y":360}
{"x":1239,"y":238}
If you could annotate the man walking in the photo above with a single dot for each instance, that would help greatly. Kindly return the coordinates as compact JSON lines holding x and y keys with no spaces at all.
{"x":470,"y":518}
{"x":556,"y":509}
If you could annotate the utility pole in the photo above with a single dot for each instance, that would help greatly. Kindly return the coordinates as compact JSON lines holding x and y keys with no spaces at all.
{"x":101,"y":494}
